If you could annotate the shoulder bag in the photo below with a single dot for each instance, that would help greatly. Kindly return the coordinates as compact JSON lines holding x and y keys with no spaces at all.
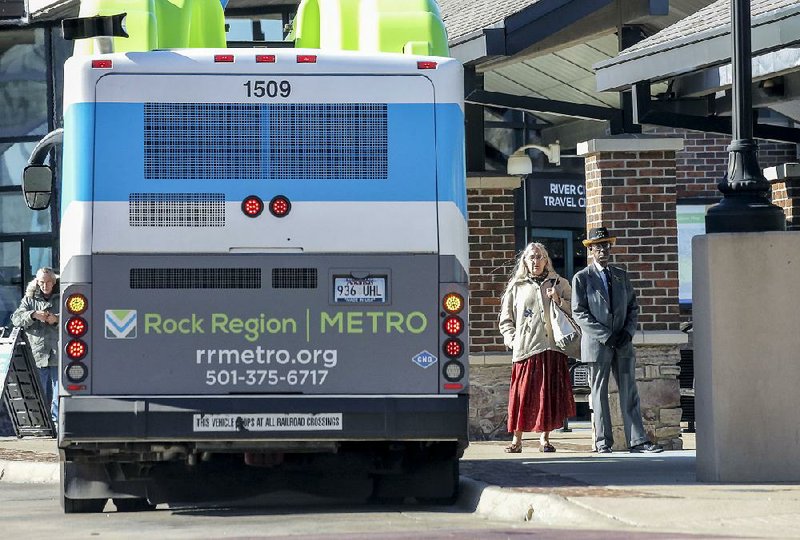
{"x":566,"y":332}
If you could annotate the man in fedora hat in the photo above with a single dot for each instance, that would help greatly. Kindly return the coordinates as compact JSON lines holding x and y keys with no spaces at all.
{"x":604,"y":306}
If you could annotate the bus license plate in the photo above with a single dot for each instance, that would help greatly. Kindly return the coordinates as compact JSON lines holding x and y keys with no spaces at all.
{"x":359,"y":290}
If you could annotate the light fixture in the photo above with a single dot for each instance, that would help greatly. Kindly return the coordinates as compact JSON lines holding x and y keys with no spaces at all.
{"x":519,"y":163}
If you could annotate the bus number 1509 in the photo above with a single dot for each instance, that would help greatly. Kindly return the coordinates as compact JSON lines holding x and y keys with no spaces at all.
{"x":270,"y":89}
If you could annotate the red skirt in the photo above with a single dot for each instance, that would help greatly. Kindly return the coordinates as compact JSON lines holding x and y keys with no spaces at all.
{"x":540,"y":397}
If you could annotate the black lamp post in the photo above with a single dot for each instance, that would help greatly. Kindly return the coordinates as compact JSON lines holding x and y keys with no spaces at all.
{"x":746,"y":205}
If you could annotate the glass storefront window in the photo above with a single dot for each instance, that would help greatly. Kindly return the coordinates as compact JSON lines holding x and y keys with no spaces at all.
{"x":10,"y":280}
{"x":18,"y":218}
{"x":13,"y":158}
{"x":23,"y":83}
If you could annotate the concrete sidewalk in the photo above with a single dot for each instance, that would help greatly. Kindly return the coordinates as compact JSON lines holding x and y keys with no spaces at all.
{"x":572,"y":488}
{"x":575,"y":488}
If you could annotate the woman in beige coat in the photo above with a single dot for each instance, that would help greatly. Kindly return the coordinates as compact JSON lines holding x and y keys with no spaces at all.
{"x":540,"y":397}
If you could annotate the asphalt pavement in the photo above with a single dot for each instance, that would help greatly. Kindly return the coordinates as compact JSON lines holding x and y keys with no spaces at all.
{"x":572,"y":488}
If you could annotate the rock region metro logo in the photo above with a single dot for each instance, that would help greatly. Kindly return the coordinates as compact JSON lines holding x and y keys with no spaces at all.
{"x":120,"y":323}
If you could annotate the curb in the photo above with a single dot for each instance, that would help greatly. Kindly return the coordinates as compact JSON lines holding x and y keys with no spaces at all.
{"x":491,"y":502}
{"x":27,"y":472}
{"x":494,"y":502}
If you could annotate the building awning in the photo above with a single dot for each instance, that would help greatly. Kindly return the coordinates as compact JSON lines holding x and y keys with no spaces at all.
{"x":693,"y":57}
{"x":702,"y":41}
{"x":538,"y":55}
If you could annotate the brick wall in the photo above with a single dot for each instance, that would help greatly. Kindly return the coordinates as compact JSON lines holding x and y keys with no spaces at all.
{"x":490,"y":206}
{"x":785,"y":185}
{"x":633,"y":194}
{"x":703,"y":162}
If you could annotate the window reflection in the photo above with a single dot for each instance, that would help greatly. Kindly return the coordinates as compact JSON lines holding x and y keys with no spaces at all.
{"x":23,"y":83}
{"x":13,"y":158}
{"x":10,"y":280}
{"x":18,"y":218}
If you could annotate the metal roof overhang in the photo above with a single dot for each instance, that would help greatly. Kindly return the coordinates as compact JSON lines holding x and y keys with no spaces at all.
{"x":540,"y":60}
{"x":699,"y":51}
{"x":699,"y":73}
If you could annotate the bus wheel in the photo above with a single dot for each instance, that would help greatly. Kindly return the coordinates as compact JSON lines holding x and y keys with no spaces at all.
{"x":133,"y":505}
{"x":83,"y":506}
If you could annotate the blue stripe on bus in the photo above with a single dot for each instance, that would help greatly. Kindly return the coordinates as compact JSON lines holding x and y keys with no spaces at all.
{"x":120,"y":140}
{"x":77,"y":151}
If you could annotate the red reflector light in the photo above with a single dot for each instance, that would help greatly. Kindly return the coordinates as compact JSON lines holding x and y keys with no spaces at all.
{"x":306,"y":58}
{"x":76,"y":304}
{"x":76,"y":349}
{"x":265,"y":59}
{"x":223,"y":58}
{"x":76,"y":387}
{"x":279,"y":206}
{"x":425,"y":64}
{"x":252,"y":206}
{"x":76,"y":326}
{"x":453,"y":303}
{"x":453,"y":325}
{"x":101,"y":64}
{"x":453,"y":348}
{"x":453,"y":386}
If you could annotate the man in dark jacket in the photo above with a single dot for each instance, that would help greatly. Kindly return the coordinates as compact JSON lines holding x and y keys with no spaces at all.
{"x":604,"y":306}
{"x":37,"y":314}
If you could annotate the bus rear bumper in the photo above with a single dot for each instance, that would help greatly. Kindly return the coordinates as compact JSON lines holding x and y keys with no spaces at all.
{"x":262,"y":418}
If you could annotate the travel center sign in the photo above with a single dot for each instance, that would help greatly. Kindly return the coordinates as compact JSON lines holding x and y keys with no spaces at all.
{"x":558,"y":195}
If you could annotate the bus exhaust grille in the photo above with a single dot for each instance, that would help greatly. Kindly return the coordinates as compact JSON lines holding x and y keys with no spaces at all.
{"x":195,"y":278}
{"x":286,"y":141}
{"x":294,"y":278}
{"x":176,"y":209}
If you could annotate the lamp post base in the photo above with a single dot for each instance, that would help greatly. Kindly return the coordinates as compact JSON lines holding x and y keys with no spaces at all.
{"x":744,"y":212}
{"x":746,"y":206}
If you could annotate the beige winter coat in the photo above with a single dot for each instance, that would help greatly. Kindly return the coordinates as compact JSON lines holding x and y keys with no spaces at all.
{"x":525,"y":316}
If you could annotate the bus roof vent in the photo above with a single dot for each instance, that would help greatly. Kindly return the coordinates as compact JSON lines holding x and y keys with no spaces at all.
{"x":176,"y":209}
{"x":294,"y":278}
{"x":195,"y":278}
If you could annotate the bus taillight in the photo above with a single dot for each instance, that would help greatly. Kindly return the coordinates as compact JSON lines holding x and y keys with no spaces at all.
{"x":252,"y":206}
{"x":426,"y":64}
{"x":453,"y":325}
{"x":306,"y":58}
{"x":76,"y":304}
{"x":453,"y":303}
{"x":265,"y":59}
{"x":102,"y":64}
{"x":453,"y":348}
{"x":224,"y":58}
{"x":76,"y":349}
{"x":76,"y":326}
{"x":76,"y":372}
{"x":453,"y":371}
{"x":279,"y":206}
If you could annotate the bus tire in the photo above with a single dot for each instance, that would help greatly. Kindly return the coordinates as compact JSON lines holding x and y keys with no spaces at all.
{"x":82,"y":506}
{"x":133,"y":505}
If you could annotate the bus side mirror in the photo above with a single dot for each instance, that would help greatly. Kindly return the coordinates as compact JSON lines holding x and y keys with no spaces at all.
{"x":37,"y":186}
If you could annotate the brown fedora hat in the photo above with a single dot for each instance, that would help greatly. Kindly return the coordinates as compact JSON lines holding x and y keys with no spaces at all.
{"x":597,"y":235}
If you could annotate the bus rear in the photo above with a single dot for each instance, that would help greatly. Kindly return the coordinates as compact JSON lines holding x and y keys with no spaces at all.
{"x":264,"y":274}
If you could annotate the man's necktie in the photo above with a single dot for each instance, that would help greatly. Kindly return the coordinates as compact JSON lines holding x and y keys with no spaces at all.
{"x":607,"y":273}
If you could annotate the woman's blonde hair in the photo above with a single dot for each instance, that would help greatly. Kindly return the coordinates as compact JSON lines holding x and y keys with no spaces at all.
{"x":520,"y":272}
{"x":33,"y":286}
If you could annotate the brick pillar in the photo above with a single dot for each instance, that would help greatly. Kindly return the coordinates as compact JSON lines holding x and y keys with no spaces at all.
{"x":785,"y":180}
{"x":630,"y":188}
{"x":490,"y":207}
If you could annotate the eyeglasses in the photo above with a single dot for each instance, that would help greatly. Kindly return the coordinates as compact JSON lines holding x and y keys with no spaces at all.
{"x":604,"y":246}
{"x":534,"y":257}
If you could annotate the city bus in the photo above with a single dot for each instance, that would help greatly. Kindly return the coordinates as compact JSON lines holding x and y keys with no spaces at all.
{"x":264,"y":275}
